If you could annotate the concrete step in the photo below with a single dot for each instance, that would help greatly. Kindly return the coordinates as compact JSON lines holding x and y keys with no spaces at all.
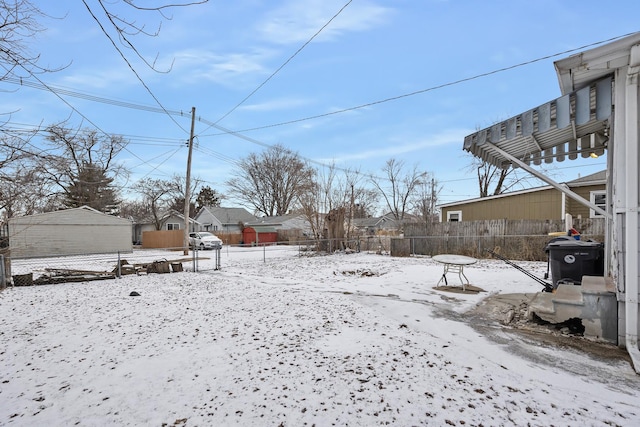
{"x":594,"y":301}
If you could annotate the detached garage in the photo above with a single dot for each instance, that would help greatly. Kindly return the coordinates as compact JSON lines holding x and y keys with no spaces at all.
{"x":76,"y":231}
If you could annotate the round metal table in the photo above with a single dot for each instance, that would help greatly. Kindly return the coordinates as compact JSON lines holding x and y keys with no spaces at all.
{"x":455,"y":264}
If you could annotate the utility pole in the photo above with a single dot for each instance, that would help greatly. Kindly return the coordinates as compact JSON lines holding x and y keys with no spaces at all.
{"x":187,"y":187}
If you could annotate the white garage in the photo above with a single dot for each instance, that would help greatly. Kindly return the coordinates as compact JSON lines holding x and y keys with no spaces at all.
{"x":76,"y":231}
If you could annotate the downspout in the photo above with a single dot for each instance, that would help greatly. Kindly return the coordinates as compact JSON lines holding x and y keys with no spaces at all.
{"x":631,"y":211}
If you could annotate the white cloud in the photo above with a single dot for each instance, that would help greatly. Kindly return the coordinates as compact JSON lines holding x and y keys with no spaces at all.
{"x":277,"y":104}
{"x":296,"y":21}
{"x":99,"y":78}
{"x":394,"y":147}
{"x":225,"y":68}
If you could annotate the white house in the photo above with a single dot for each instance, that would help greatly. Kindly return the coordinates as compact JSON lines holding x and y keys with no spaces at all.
{"x":171,"y":220}
{"x":74,"y":231}
{"x":226,"y":220}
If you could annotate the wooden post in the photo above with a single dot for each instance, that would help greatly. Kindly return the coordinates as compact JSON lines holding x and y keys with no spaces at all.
{"x":187,"y":189}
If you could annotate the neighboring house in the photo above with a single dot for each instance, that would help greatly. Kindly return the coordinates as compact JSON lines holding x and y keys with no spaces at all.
{"x":225,"y":220}
{"x":172,"y":220}
{"x":82,"y":230}
{"x":538,"y":203}
{"x":386,"y":223}
{"x":289,"y":222}
{"x":269,"y":229}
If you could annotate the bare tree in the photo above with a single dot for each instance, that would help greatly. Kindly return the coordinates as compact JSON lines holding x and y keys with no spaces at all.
{"x":398,"y":186}
{"x":271,"y":181}
{"x":316,"y":201}
{"x":23,"y":188}
{"x":155,"y":196}
{"x":349,"y":194}
{"x":426,"y":199}
{"x":117,"y":26}
{"x":23,"y":192}
{"x":366,"y":202}
{"x":137,"y":210}
{"x":18,"y":25}
{"x":83,"y":166}
{"x":491,"y":179}
{"x":177,"y":189}
{"x":334,"y":201}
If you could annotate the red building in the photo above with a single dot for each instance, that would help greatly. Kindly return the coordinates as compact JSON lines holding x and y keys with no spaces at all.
{"x":259,"y":235}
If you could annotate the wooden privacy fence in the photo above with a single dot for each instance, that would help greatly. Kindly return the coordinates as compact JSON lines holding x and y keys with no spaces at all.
{"x":163,"y":239}
{"x":513,"y":239}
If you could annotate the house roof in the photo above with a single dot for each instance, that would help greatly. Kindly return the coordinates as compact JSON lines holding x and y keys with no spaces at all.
{"x":175,"y":213}
{"x":593,"y":179}
{"x":598,"y":178}
{"x":387,"y":220}
{"x":577,"y":71}
{"x":230,"y":215}
{"x":275,"y":220}
{"x":366,"y":222}
{"x":85,"y":211}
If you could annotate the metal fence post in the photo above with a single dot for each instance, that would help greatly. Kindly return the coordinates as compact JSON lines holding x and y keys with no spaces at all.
{"x":3,"y":279}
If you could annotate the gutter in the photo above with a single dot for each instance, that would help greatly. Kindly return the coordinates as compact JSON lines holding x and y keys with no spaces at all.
{"x":631,"y":209}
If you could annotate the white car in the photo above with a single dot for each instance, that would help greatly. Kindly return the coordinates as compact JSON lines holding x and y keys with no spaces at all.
{"x":204,"y":240}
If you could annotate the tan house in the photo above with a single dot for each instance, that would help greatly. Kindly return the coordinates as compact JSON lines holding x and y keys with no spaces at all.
{"x":539,"y":203}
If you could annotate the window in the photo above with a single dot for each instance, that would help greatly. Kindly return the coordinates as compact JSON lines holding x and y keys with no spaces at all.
{"x":454,"y":216}
{"x":173,"y":226}
{"x":598,"y":198}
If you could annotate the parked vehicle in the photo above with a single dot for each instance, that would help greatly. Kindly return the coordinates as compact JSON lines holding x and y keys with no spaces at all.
{"x":204,"y":240}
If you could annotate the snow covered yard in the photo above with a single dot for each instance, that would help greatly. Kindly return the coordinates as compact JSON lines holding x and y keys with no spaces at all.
{"x":274,"y":338}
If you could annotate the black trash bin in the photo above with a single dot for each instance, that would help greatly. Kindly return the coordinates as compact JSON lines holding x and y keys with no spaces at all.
{"x":570,"y":259}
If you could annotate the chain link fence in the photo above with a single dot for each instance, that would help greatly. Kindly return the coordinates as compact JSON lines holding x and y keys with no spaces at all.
{"x":53,"y":269}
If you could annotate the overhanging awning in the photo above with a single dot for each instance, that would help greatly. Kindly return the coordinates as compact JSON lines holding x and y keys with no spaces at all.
{"x":576,"y":124}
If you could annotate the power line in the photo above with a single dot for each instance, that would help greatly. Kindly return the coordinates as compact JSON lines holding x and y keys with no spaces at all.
{"x":124,"y":58}
{"x":284,"y":64}
{"x":433,"y":88}
{"x":60,"y":91}
{"x":21,"y":128}
{"x":125,"y":104}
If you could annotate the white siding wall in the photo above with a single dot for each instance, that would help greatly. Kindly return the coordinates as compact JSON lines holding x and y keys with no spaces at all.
{"x":69,"y":232}
{"x":206,"y":217}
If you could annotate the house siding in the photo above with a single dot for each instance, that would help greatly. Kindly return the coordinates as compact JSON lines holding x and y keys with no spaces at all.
{"x":69,"y":232}
{"x":578,"y":209}
{"x":544,"y":204}
{"x":208,"y":221}
{"x":226,"y":220}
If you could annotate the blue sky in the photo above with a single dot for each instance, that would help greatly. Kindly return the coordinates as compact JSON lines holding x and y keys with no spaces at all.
{"x":219,"y":53}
